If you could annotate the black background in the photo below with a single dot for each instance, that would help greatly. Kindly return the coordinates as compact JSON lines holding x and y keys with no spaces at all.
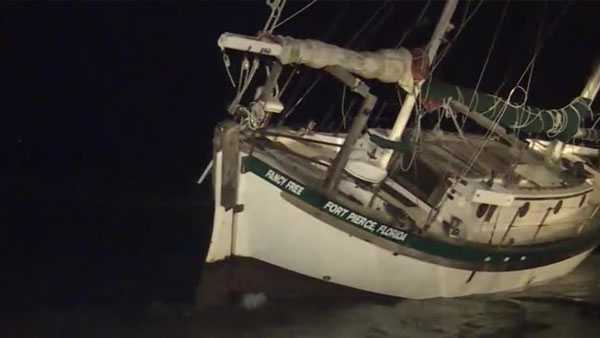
{"x":107,"y":111}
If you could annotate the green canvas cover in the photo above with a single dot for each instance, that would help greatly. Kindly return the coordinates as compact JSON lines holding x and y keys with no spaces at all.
{"x":561,"y":123}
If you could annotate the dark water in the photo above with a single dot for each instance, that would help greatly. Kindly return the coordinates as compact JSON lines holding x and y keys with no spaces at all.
{"x":126,"y":265}
{"x":569,"y":307}
{"x":78,"y":244}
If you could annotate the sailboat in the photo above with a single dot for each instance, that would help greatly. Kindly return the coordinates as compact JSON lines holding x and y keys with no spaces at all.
{"x":401,"y":212}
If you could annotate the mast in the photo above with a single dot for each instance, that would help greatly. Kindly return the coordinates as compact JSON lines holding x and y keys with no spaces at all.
{"x":589,"y":92}
{"x":409,"y":102}
{"x":593,"y":84}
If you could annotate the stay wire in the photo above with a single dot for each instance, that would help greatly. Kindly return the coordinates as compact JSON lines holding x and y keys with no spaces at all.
{"x":298,"y":12}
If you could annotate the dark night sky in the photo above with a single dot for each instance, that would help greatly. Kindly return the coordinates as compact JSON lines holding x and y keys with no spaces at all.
{"x":107,"y":114}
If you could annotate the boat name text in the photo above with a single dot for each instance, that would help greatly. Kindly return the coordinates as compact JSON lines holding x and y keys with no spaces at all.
{"x":284,"y":182}
{"x":368,"y":224}
{"x":337,"y":210}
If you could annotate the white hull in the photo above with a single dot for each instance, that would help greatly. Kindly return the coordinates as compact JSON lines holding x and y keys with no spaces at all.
{"x":272,"y":230}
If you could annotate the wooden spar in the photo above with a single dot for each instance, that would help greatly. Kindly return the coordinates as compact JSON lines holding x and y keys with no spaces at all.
{"x":410,"y":100}
{"x":486,"y":123}
{"x":358,"y":125}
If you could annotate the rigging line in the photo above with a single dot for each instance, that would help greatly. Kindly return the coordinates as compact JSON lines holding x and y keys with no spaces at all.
{"x":419,"y":18}
{"x":489,"y":54}
{"x":416,"y":138}
{"x":465,"y":21}
{"x":298,"y":12}
{"x":297,"y":88}
{"x":538,"y":47}
{"x":556,"y":21}
{"x":318,"y":79}
{"x":595,"y":122}
{"x":376,"y":27}
{"x":343,"y":106}
{"x":511,"y":65}
{"x":379,"y":113}
{"x":243,"y":70}
{"x":459,"y":128}
{"x":540,"y":41}
{"x":543,"y":40}
{"x":277,"y":7}
{"x":366,"y":24}
{"x":487,"y":59}
{"x":486,"y":140}
{"x":487,"y":137}
{"x":291,"y":110}
{"x":287,"y":81}
{"x":227,"y":63}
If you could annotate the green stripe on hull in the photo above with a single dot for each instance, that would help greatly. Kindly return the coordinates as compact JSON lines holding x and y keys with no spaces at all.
{"x":479,"y":256}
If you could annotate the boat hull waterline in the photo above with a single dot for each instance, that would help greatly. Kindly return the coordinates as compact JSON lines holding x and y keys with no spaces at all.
{"x":272,"y":227}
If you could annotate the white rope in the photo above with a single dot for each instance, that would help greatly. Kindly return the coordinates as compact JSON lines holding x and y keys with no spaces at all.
{"x":243,"y":85}
{"x":559,"y":119}
{"x":244,"y":67}
{"x":205,"y":172}
{"x":298,"y":12}
{"x":417,"y":22}
{"x":450,"y":113}
{"x":489,"y":54}
{"x":276,"y":10}
{"x":227,"y":63}
{"x":511,"y":93}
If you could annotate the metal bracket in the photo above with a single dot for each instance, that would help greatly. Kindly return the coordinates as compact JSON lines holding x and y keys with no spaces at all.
{"x":238,"y":208}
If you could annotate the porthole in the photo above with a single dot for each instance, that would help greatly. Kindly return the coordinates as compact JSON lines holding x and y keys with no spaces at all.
{"x":482,"y":209}
{"x":558,"y":207}
{"x":524,"y":209}
{"x":582,"y":200}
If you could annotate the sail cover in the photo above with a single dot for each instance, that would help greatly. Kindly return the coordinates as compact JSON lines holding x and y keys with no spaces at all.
{"x":386,"y":65}
{"x":561,"y":123}
{"x":398,"y":65}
